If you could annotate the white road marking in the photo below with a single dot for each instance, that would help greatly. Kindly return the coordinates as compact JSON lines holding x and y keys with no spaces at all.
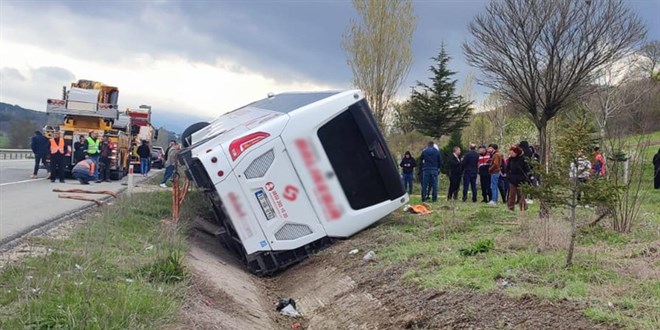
{"x":10,"y":183}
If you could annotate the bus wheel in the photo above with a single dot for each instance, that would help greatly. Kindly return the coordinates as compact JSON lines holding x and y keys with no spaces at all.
{"x":189,"y":131}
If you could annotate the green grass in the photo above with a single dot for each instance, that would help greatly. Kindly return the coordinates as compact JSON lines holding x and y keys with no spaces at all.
{"x":4,"y":141}
{"x":451,"y":248}
{"x":121,"y":270}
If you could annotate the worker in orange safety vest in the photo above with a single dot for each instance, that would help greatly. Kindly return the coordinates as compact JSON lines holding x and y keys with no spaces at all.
{"x":58,"y":150}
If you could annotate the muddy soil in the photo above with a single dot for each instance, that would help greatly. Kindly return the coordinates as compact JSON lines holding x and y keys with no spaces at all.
{"x":335,"y":290}
{"x":222,"y":294}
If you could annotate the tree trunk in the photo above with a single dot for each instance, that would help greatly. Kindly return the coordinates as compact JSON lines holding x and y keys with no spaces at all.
{"x":571,"y":246}
{"x":544,"y":148}
{"x":544,"y":152}
{"x":602,"y":138}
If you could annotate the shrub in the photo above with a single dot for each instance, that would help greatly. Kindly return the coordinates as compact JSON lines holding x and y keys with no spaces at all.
{"x":481,"y":246}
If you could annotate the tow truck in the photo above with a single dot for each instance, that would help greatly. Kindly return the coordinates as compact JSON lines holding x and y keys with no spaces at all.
{"x":92,"y":106}
{"x":141,"y":130}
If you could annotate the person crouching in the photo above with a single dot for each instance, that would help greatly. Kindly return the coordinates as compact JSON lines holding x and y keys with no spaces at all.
{"x":84,"y":171}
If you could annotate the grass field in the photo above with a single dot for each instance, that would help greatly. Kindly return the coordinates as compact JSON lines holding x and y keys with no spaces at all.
{"x":465,"y":245}
{"x":121,"y":270}
{"x":124,"y":269}
{"x":4,"y":141}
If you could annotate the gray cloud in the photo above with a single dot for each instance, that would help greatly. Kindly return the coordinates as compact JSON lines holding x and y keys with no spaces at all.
{"x":50,"y":73}
{"x":33,"y":89}
{"x":11,"y":75}
{"x":284,"y":40}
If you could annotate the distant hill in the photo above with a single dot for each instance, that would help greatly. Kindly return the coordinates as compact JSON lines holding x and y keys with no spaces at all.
{"x":18,"y":124}
{"x":173,"y":122}
{"x":11,"y":113}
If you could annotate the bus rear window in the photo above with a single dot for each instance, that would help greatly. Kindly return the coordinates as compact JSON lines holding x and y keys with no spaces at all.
{"x":360,"y":158}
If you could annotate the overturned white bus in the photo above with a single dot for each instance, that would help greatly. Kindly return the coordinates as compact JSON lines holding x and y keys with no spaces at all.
{"x":288,"y":173}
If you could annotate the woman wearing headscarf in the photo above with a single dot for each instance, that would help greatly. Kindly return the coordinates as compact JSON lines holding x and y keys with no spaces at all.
{"x":517,"y":174}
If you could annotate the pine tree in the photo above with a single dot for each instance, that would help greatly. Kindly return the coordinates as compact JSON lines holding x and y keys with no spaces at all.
{"x":437,"y":110}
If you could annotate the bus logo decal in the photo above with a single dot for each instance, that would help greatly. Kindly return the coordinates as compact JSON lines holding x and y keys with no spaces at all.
{"x":290,"y":193}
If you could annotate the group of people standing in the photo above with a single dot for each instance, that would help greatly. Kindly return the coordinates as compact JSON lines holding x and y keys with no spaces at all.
{"x":91,"y":156}
{"x":499,"y":175}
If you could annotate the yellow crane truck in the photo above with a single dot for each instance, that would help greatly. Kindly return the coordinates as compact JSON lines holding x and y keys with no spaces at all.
{"x":92,"y":106}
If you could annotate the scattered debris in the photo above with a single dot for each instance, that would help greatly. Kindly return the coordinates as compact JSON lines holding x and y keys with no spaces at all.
{"x":287,"y":307}
{"x":369,"y":256}
{"x":354,"y":251}
{"x":81,"y":198}
{"x":83,"y":191}
{"x":296,"y":325}
{"x":149,"y":248}
{"x":290,"y":311}
{"x":128,"y":280}
{"x":422,"y":209}
{"x":505,"y":283}
{"x":78,"y":267}
{"x":281,"y":303}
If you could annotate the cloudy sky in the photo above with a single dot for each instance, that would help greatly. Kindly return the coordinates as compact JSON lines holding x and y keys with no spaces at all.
{"x":197,"y":59}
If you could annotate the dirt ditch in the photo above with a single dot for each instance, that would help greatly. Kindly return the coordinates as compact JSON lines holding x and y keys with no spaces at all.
{"x":336,"y":291}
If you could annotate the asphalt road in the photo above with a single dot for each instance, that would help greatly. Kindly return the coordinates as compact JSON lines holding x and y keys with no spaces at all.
{"x":26,"y":203}
{"x":17,"y":170}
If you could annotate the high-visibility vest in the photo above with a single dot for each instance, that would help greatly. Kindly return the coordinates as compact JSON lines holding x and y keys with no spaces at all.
{"x":55,"y":148}
{"x":92,"y":146}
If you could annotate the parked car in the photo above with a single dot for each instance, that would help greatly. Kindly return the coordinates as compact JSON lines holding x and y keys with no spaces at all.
{"x":157,"y":159}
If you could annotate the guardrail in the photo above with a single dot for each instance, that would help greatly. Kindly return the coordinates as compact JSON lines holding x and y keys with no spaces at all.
{"x":16,"y":154}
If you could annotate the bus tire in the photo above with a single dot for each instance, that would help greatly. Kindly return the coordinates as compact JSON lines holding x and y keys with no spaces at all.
{"x":190,"y":130}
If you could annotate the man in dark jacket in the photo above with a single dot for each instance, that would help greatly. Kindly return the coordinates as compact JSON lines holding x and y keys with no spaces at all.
{"x":431,"y":163}
{"x":144,"y":152}
{"x":104,"y":160}
{"x":79,"y":149}
{"x":470,"y":162}
{"x":407,"y":166}
{"x":40,"y":148}
{"x":455,"y":172}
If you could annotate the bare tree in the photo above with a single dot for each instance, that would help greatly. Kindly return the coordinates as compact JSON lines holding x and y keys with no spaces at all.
{"x":467,"y":89}
{"x":378,"y":49}
{"x":538,"y":54}
{"x":614,"y":91}
{"x":497,"y":114}
{"x":401,"y":117}
{"x":651,"y":58}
